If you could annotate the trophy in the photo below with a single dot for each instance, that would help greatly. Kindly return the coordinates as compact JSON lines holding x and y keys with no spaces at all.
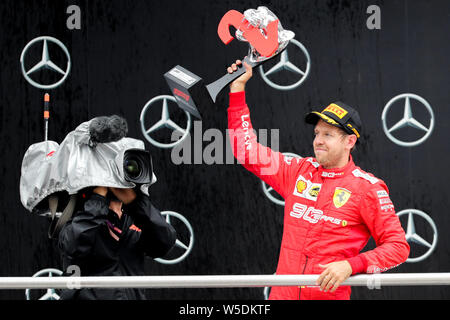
{"x":266,"y":38}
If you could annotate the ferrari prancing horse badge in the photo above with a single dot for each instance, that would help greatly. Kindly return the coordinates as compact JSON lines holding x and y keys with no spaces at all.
{"x":341,"y":197}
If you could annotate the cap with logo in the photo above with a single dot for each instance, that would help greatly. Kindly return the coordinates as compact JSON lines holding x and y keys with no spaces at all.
{"x":339,"y":115}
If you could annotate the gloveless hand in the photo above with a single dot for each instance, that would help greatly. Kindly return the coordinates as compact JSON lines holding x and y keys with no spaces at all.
{"x":239,"y":84}
{"x":334,"y":274}
{"x":103,"y":191}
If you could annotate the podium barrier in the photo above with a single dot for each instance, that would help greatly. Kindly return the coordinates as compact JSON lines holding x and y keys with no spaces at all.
{"x":220,"y":281}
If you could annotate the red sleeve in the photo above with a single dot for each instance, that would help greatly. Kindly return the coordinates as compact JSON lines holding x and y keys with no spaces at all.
{"x":384,"y":225}
{"x":265,"y":163}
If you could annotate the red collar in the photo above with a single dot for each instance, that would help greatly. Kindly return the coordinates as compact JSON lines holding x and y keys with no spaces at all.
{"x":337,"y":172}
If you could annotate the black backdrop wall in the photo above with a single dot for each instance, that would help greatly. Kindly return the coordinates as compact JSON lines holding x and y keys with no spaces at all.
{"x":119,"y":57}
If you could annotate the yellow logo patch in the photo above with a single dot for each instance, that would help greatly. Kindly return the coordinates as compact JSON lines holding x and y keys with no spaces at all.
{"x":314,"y":192}
{"x":301,"y":186}
{"x":335,"y":109}
{"x":341,"y":197}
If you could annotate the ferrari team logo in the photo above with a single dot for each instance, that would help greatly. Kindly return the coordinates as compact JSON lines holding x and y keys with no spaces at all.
{"x":341,"y":197}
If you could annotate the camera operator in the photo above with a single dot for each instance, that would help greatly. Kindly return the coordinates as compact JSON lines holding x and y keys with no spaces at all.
{"x":98,"y":179}
{"x":110,"y":235}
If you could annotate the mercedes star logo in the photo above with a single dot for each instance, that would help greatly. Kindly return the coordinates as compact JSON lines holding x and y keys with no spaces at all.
{"x":184,"y":236}
{"x":408,"y":120}
{"x":51,"y":293}
{"x":413,"y":237}
{"x":45,"y":63}
{"x":286,"y":65}
{"x":164,"y":122}
{"x":275,"y":198}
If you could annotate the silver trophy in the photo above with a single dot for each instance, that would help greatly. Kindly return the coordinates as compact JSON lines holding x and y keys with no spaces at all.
{"x":266,"y":38}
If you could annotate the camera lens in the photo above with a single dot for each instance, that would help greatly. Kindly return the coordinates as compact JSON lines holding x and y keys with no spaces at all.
{"x":132,"y":168}
{"x":137,"y":166}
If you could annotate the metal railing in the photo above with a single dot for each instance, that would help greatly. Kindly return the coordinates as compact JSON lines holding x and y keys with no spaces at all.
{"x":219,"y":281}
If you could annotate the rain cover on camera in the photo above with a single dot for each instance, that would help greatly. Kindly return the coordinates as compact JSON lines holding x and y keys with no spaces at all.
{"x":76,"y":163}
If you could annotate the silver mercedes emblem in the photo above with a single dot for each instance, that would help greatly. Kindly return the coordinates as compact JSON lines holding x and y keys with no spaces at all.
{"x":164,"y":122}
{"x":423,"y":240}
{"x":286,"y":65}
{"x":408,"y":120}
{"x":184,"y":242}
{"x":45,"y":62}
{"x":51,"y":293}
{"x":268,"y":190}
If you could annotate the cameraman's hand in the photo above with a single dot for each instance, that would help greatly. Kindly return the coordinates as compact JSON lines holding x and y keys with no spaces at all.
{"x":101,"y":191}
{"x":125,"y":195}
{"x":239,"y":84}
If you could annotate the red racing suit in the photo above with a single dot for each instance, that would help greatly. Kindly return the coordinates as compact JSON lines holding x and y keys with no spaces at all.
{"x":329,"y":215}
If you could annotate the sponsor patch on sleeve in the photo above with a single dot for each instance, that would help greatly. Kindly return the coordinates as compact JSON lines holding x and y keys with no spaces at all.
{"x":384,"y":201}
{"x":382,"y":194}
{"x":314,"y":163}
{"x":288,"y":159}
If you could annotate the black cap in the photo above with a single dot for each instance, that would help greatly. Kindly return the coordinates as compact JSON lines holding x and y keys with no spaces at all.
{"x":339,"y":115}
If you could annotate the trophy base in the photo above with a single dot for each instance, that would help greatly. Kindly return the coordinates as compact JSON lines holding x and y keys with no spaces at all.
{"x":188,"y":89}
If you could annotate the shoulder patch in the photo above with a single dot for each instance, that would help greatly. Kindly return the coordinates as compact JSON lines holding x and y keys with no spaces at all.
{"x":288,"y":159}
{"x":314,"y":163}
{"x":359,"y":174}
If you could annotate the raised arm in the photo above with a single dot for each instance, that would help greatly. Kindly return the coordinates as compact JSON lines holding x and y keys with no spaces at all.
{"x":265,"y":163}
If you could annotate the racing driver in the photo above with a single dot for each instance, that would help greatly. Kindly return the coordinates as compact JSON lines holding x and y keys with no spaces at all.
{"x":332,"y":206}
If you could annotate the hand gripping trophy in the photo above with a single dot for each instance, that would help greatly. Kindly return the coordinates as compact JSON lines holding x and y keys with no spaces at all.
{"x":266,"y":38}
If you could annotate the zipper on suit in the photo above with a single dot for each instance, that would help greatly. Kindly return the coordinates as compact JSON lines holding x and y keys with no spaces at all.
{"x":303,"y":272}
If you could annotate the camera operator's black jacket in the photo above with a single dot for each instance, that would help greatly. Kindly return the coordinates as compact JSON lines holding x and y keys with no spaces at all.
{"x":101,"y":244}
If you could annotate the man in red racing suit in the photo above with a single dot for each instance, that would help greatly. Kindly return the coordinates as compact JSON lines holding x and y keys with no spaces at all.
{"x":330,"y":213}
